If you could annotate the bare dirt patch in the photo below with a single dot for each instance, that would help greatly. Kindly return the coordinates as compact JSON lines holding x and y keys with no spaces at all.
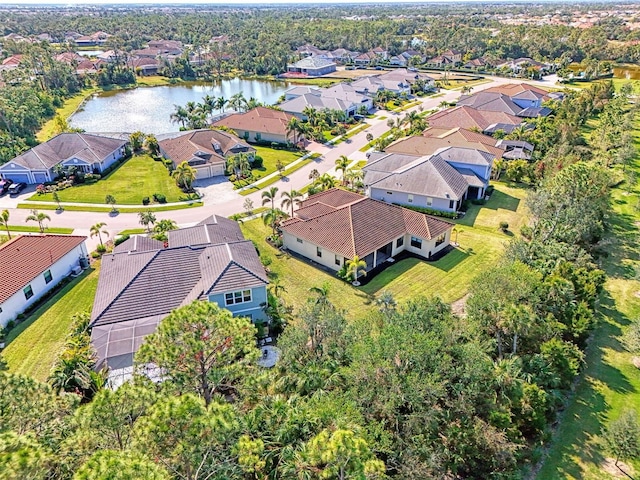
{"x":609,"y":466}
{"x":637,"y":294}
{"x":459,"y":307}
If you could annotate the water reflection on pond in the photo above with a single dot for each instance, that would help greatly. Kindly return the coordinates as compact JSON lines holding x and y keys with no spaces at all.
{"x":148,"y":109}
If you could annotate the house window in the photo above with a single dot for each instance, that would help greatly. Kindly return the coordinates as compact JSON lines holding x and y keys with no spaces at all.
{"x":440,"y":240}
{"x":299,"y":240}
{"x":28,"y":292}
{"x":47,"y":276}
{"x":241,"y":296}
{"x":451,"y":204}
{"x":318,"y":252}
{"x":416,"y":242}
{"x":399,"y":242}
{"x":389,"y":193}
{"x":410,"y":198}
{"x":429,"y":201}
{"x":337,"y":260}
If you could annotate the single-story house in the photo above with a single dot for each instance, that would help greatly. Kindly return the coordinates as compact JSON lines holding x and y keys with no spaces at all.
{"x":260,"y":124}
{"x":144,"y":65}
{"x":332,"y":227}
{"x":441,"y":181}
{"x":31,"y":265}
{"x":312,"y":66}
{"x":435,"y":138}
{"x":98,"y":38}
{"x":142,"y":281}
{"x":470,"y":118}
{"x":205,"y":150}
{"x":397,"y":81}
{"x":450,"y":57}
{"x":515,"y":149}
{"x":495,"y":101}
{"x":87,"y":152}
{"x":296,"y":106}
{"x":522,"y":94}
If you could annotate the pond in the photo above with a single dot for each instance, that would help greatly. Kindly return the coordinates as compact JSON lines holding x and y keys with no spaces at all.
{"x":149,"y":109}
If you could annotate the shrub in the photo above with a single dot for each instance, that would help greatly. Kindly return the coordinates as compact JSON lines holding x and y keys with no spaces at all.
{"x":429,"y":211}
{"x":145,"y":200}
{"x":120,"y":239}
{"x":101,"y":248}
{"x":95,"y":255}
{"x":232,"y":178}
{"x":257,"y":162}
{"x":10,"y":324}
{"x":504,"y":226}
{"x":526,"y":231}
{"x":160,"y":197}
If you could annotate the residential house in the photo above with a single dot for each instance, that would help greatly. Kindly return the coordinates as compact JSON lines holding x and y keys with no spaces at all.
{"x":308,"y":50}
{"x":435,"y":138}
{"x":171,"y":47}
{"x":519,"y":65}
{"x":260,"y":124}
{"x":495,"y":101}
{"x":343,"y":97}
{"x":522,"y":94}
{"x":143,"y":280}
{"x":409,"y":54}
{"x":398,"y":61}
{"x":332,"y":227}
{"x":11,"y":62}
{"x":479,"y":63}
{"x":204,"y":150}
{"x":32,"y":265}
{"x":98,"y":38}
{"x":342,"y":55}
{"x":87,"y":152}
{"x":441,"y":181}
{"x":472,"y":119}
{"x":297,"y":106}
{"x":449,"y":58}
{"x":144,"y":65}
{"x":365,"y":59}
{"x":515,"y":149}
{"x":350,"y":96}
{"x":396,"y":81}
{"x":312,"y":67}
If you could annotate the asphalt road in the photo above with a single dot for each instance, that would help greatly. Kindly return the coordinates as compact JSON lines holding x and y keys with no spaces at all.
{"x":219,"y":200}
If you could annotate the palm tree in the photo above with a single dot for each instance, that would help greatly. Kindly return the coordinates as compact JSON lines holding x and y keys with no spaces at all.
{"x":466,"y":89}
{"x":56,"y":198}
{"x":293,"y":127}
{"x":97,"y":230}
{"x":322,"y":292}
{"x":290,"y":199}
{"x":270,"y":196}
{"x":237,"y":102}
{"x":184,"y":175}
{"x":342,"y":163}
{"x":314,"y":174}
{"x":386,"y":303}
{"x":4,"y":219}
{"x":326,"y":181}
{"x":162,"y":227}
{"x":180,"y":115}
{"x":147,"y":218}
{"x":273,"y":217}
{"x":239,"y":164}
{"x":208,"y":104}
{"x":39,"y":217}
{"x":221,"y":102}
{"x":111,"y":200}
{"x":152,"y":145}
{"x":355,"y":267}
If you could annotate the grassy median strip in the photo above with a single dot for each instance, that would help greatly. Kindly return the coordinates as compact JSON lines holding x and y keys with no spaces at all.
{"x":89,"y":208}
{"x":26,"y":228}
{"x":274,"y":179}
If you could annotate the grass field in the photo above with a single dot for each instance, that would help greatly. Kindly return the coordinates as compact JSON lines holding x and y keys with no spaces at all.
{"x":287,"y":171}
{"x":48,"y":130}
{"x":610,"y":383}
{"x":26,"y":228}
{"x":89,"y":208}
{"x":270,"y":157}
{"x":34,"y":344}
{"x":138,"y":177}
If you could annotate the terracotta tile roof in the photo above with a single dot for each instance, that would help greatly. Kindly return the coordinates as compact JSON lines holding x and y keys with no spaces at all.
{"x":25,"y":257}
{"x":467,"y":117}
{"x":361,"y":226}
{"x":85,"y":146}
{"x":208,"y":145}
{"x":435,"y":138}
{"x":259,"y":119}
{"x":334,"y":197}
{"x":515,"y":89}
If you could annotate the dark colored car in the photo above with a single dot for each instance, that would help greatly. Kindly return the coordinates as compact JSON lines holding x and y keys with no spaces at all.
{"x":4,"y":186}
{"x":16,"y":188}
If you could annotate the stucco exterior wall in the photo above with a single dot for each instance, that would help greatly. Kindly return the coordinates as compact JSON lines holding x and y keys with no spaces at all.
{"x":253,"y":309}
{"x":402,"y":198}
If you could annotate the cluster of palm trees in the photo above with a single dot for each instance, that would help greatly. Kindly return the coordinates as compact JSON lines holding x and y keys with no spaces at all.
{"x":184,"y":175}
{"x":196,"y":115}
{"x":239,"y":165}
{"x":317,"y":122}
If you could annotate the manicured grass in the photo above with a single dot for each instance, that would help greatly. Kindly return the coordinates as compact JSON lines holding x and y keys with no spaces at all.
{"x":287,"y":171}
{"x":26,"y":228}
{"x":157,"y":81}
{"x":132,"y":231}
{"x":319,"y":82}
{"x":48,"y":130}
{"x":88,"y":208}
{"x":34,"y":344}
{"x":356,"y":130}
{"x":138,"y":177}
{"x":270,"y":157}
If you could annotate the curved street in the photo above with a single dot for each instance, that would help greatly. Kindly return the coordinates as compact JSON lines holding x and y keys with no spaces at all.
{"x":220,"y":199}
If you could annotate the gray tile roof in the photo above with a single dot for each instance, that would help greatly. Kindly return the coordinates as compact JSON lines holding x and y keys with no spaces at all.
{"x":490,"y":101}
{"x":470,"y":156}
{"x":89,"y":147}
{"x":313,"y":62}
{"x":212,"y":230}
{"x":138,"y":243}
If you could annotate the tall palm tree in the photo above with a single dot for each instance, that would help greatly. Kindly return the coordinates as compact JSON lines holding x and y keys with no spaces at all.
{"x":97,"y":230}
{"x":270,"y":196}
{"x":208,"y":104}
{"x":39,"y":217}
{"x":355,"y":267}
{"x":342,"y":163}
{"x":221,"y":102}
{"x":4,"y":220}
{"x":237,"y":102}
{"x":290,"y":199}
{"x":184,"y":175}
{"x":180,"y":115}
{"x":240,"y":164}
{"x":147,"y":218}
{"x":326,"y":181}
{"x":272,"y":217}
{"x":293,"y":127}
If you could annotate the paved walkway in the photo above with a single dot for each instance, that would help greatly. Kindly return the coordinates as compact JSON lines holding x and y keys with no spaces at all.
{"x":220,"y":199}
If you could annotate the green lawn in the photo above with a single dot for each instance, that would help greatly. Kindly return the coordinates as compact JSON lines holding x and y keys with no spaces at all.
{"x":270,"y":157}
{"x":48,"y":130}
{"x":610,"y":383}
{"x":26,"y":228}
{"x":89,"y":208}
{"x":138,"y":177}
{"x":35,"y":343}
{"x":287,"y":171}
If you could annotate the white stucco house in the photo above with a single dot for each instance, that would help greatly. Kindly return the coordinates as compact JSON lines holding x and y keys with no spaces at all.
{"x":31,"y":265}
{"x":87,"y":152}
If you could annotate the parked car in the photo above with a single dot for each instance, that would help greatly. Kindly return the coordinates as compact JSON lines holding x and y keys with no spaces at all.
{"x":4,"y":186}
{"x":16,"y":188}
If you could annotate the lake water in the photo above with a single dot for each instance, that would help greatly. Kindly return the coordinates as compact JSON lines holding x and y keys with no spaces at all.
{"x":148,"y":109}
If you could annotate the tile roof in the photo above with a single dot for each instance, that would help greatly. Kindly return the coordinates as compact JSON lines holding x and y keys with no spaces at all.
{"x":470,"y":156}
{"x":140,"y":284}
{"x":490,"y":101}
{"x":205,"y":145}
{"x":25,"y":257}
{"x":312,"y":62}
{"x":86,"y":146}
{"x":361,"y":226}
{"x":138,"y":243}
{"x":259,"y":119}
{"x":467,"y":117}
{"x":435,"y":138}
{"x":319,"y":102}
